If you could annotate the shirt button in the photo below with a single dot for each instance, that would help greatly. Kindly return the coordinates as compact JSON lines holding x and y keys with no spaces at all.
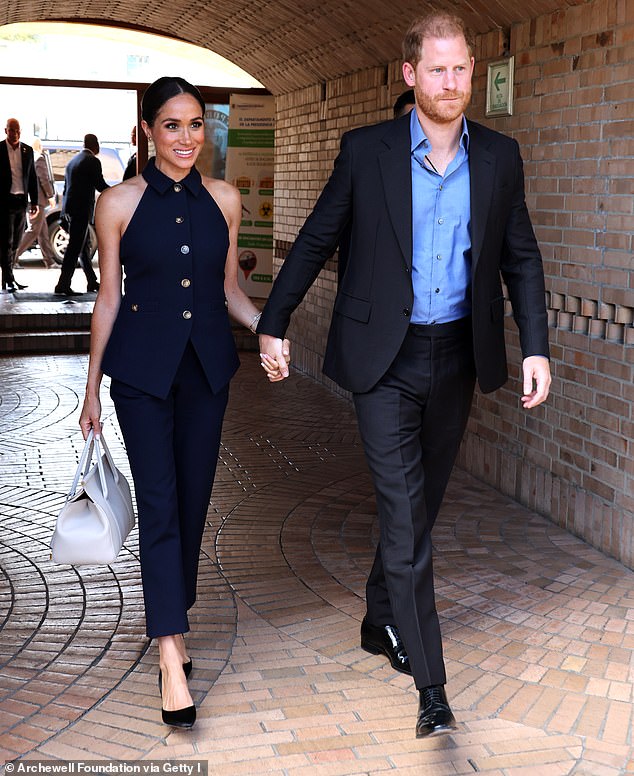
{"x":186,"y":283}
{"x":185,"y":249}
{"x":439,"y":257}
{"x":187,"y":315}
{"x":134,"y":308}
{"x":441,"y":220}
{"x":406,"y":311}
{"x":179,"y":219}
{"x":437,"y":290}
{"x":177,"y":187}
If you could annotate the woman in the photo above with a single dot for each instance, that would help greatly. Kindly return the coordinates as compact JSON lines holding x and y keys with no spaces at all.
{"x":168,"y":347}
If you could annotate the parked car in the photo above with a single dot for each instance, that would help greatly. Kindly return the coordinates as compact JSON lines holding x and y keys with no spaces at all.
{"x":61,"y":153}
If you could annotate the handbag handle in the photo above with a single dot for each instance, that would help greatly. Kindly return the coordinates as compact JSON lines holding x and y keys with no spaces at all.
{"x":93,"y":443}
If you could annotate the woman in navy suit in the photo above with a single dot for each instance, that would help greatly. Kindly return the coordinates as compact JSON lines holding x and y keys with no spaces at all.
{"x":168,"y":347}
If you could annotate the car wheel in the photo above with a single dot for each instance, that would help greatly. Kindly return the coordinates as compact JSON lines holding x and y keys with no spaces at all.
{"x":58,"y":238}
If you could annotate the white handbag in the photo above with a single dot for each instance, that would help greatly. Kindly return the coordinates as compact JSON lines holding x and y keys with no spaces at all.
{"x":97,"y":517}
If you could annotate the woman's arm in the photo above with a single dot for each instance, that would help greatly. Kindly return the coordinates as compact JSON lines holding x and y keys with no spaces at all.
{"x":240,"y":307}
{"x":110,"y":216}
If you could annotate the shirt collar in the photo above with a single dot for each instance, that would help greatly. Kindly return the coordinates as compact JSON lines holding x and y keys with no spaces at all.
{"x":419,"y":138}
{"x":161,"y":183}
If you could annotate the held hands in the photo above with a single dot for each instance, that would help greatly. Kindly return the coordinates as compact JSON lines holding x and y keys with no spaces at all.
{"x":90,"y":414}
{"x":537,"y":380}
{"x":275,"y":356}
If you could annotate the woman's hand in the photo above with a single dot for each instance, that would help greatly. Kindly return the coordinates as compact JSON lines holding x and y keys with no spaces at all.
{"x":90,"y":416}
{"x":275,"y":356}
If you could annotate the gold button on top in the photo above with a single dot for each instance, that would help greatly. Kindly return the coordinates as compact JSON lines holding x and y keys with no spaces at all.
{"x":185,"y":249}
{"x":134,"y":308}
{"x":186,"y":283}
{"x":177,"y":187}
{"x":187,"y":315}
{"x":179,"y":219}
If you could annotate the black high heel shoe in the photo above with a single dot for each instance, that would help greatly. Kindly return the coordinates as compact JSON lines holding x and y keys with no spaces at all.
{"x":187,"y":668}
{"x":180,"y":718}
{"x":19,"y":286}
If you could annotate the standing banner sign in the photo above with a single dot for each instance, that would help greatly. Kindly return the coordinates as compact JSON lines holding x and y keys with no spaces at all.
{"x":249,"y":166}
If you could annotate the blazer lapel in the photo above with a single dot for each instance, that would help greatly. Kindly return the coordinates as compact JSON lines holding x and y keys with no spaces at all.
{"x":482,"y":175}
{"x":395,"y":165}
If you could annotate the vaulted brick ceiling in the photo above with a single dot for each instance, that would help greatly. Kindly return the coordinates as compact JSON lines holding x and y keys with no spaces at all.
{"x":285,"y":44}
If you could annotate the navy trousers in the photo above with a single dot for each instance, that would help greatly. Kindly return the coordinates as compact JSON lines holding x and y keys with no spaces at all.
{"x":411,"y":424}
{"x":172,"y":446}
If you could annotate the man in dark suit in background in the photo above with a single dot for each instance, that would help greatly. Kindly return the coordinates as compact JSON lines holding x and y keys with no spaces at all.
{"x":130,"y":169}
{"x":18,"y":185}
{"x":436,"y":210}
{"x":82,"y":177}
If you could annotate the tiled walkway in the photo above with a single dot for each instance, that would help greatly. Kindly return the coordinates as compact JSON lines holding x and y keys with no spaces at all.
{"x":539,"y":628}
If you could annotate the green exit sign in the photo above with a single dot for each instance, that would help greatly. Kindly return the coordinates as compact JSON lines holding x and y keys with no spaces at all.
{"x":500,"y":88}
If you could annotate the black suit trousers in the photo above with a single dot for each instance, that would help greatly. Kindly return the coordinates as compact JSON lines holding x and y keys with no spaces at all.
{"x":411,"y":424}
{"x":172,"y":446}
{"x":12,"y":223}
{"x":77,"y":248}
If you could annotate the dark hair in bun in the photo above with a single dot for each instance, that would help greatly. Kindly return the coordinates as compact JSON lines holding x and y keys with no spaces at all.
{"x":162,"y":90}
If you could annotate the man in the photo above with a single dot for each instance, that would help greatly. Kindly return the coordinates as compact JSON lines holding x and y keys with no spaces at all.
{"x":436,"y":210}
{"x":82,"y":177}
{"x":38,"y":228}
{"x":404,"y":103}
{"x":18,"y":183}
{"x":130,"y":170}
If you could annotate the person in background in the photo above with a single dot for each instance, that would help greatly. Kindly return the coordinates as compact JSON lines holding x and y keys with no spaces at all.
{"x":130,"y":170}
{"x":38,"y":227}
{"x":404,"y":103}
{"x":18,"y":186}
{"x":82,"y":177}
{"x":168,"y":347}
{"x":437,"y":216}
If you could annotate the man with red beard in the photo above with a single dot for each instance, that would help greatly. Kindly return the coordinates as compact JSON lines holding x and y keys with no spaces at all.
{"x":436,"y":213}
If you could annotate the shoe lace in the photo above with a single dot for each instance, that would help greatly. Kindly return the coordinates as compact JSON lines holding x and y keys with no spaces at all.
{"x":434,"y":695}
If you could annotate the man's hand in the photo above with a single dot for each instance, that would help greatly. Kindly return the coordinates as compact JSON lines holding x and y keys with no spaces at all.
{"x":536,"y":381}
{"x":275,"y":356}
{"x":33,"y":210}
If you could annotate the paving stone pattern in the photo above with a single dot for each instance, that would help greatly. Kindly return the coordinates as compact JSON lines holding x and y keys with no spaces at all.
{"x":538,"y":627}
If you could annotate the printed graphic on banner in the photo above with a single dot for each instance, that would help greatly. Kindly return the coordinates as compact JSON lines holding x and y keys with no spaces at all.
{"x":249,"y":166}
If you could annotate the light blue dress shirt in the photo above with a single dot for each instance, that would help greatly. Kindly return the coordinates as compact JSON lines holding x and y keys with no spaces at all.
{"x":441,"y":231}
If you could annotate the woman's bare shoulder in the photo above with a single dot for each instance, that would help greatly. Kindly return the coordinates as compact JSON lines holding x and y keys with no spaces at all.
{"x":221,"y":190}
{"x":116,"y":205}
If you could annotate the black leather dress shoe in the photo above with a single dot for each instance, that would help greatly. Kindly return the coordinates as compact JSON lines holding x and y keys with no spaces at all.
{"x":180,"y":718}
{"x":434,"y":715}
{"x":385,"y":640}
{"x":66,"y":291}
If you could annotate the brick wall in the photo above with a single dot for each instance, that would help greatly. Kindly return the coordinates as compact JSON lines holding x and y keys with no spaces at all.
{"x":572,"y":459}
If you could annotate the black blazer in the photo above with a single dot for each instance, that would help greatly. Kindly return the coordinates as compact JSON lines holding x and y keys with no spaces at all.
{"x":82,"y":177}
{"x":29,"y":178}
{"x":368,"y":200}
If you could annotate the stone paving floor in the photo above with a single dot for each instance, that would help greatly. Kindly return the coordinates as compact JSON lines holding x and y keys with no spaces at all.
{"x":538,"y":627}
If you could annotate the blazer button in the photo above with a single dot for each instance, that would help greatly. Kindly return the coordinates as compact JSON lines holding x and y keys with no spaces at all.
{"x":406,"y":311}
{"x":179,"y":219}
{"x":185,"y":249}
{"x":134,"y":308}
{"x":177,"y":187}
{"x":187,"y":315}
{"x":186,"y":282}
